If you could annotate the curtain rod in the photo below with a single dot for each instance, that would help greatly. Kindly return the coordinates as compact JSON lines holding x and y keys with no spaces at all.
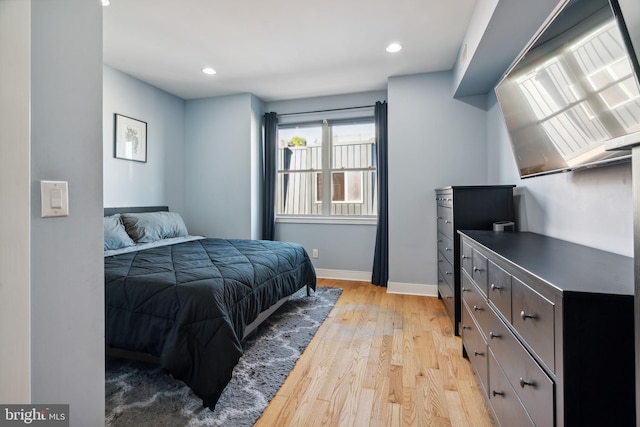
{"x":326,"y":111}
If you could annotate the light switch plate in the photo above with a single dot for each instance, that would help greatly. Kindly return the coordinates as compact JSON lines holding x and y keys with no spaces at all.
{"x":54,"y":196}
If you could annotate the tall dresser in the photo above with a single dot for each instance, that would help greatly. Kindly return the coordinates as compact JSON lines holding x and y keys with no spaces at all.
{"x":458,"y":208}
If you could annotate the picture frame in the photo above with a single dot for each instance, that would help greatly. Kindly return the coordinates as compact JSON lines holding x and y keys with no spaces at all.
{"x":130,"y":139}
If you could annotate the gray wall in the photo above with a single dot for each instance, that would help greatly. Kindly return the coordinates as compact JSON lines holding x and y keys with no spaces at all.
{"x":220,"y":147}
{"x":67,"y":280}
{"x":15,"y":180}
{"x":159,"y":181}
{"x":434,"y":141}
{"x":223,"y":131}
{"x":344,"y":247}
{"x":591,"y":207}
{"x":212,"y":172}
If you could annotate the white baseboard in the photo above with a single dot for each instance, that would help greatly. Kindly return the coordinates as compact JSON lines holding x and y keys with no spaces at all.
{"x":392,"y":287}
{"x":360,"y":276}
{"x":412,"y":289}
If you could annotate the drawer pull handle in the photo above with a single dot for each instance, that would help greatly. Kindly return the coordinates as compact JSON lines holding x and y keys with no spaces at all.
{"x":449,"y":297}
{"x":465,"y":327}
{"x":495,"y":288}
{"x":465,"y":290}
{"x":478,"y":353}
{"x":447,"y":221}
{"x":439,"y":260}
{"x":476,"y":308}
{"x":447,"y":249}
{"x":492,"y":335}
{"x":448,"y":273}
{"x":526,"y":316}
{"x":497,"y":393}
{"x":439,"y":217}
{"x":476,"y":269}
{"x":524,"y":383}
{"x":465,"y":257}
{"x":439,"y":240}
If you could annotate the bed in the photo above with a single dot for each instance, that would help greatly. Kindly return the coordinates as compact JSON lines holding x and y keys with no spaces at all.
{"x":187,"y":302}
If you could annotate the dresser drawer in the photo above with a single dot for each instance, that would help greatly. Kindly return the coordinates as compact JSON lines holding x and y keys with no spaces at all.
{"x":445,"y":221}
{"x":533,"y":318}
{"x":479,"y":271}
{"x":499,"y":290}
{"x":477,"y":303}
{"x":529,"y":381}
{"x":444,"y":198}
{"x":446,"y":293}
{"x":505,"y":402}
{"x":466,"y":257}
{"x":446,"y":269}
{"x":476,"y":347}
{"x":445,"y":246}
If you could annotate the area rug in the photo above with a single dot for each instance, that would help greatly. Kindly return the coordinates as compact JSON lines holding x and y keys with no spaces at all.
{"x":140,"y":395}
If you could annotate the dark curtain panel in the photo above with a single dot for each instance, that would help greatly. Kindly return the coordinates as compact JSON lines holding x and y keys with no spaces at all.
{"x":270,"y":149}
{"x":380,"y":275}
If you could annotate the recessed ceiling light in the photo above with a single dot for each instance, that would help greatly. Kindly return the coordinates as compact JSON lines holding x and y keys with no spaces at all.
{"x":106,"y":2}
{"x":394,"y":47}
{"x":208,"y":70}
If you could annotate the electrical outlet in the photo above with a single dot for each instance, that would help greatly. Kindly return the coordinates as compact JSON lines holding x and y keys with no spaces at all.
{"x":315,"y":253}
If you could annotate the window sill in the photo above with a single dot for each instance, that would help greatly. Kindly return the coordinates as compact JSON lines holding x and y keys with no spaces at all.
{"x":345,"y":220}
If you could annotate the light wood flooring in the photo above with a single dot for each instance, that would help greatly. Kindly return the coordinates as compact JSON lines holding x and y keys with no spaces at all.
{"x":380,"y":360}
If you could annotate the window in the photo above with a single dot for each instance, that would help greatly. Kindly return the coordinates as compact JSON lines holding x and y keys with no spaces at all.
{"x":336,"y":155}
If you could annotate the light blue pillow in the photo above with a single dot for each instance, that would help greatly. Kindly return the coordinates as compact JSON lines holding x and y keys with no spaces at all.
{"x":115,"y":236}
{"x":151,"y":226}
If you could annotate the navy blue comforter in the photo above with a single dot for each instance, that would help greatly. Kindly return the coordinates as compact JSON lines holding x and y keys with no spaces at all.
{"x":189,"y":303}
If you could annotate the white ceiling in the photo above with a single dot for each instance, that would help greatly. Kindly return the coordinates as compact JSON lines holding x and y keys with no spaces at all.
{"x":281,"y":49}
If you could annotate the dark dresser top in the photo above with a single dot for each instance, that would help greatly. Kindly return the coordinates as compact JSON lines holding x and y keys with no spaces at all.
{"x":567,"y":266}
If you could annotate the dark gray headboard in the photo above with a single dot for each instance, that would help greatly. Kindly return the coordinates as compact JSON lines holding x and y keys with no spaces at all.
{"x":138,"y":209}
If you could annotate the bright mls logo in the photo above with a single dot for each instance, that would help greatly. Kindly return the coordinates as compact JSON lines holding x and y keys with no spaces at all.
{"x":37,"y":415}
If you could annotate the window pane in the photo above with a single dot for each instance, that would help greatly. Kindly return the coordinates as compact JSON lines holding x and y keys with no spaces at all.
{"x":300,"y":148}
{"x":353,"y":145}
{"x":319,"y":187}
{"x":338,"y":187}
{"x":347,"y":187}
{"x":361,"y":195}
{"x":354,"y":190}
{"x":295,"y":194}
{"x":299,"y":153}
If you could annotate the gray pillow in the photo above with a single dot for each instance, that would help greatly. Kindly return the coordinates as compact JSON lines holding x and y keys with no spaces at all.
{"x":115,"y":236}
{"x":151,"y":226}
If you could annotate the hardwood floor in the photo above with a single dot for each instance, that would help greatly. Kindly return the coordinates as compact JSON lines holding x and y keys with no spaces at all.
{"x":380,"y":360}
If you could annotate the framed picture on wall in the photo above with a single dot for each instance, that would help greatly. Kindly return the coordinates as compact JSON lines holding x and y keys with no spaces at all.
{"x":130,"y":139}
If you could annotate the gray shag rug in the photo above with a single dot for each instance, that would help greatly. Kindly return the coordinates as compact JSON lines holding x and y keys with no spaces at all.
{"x":139,"y":394}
